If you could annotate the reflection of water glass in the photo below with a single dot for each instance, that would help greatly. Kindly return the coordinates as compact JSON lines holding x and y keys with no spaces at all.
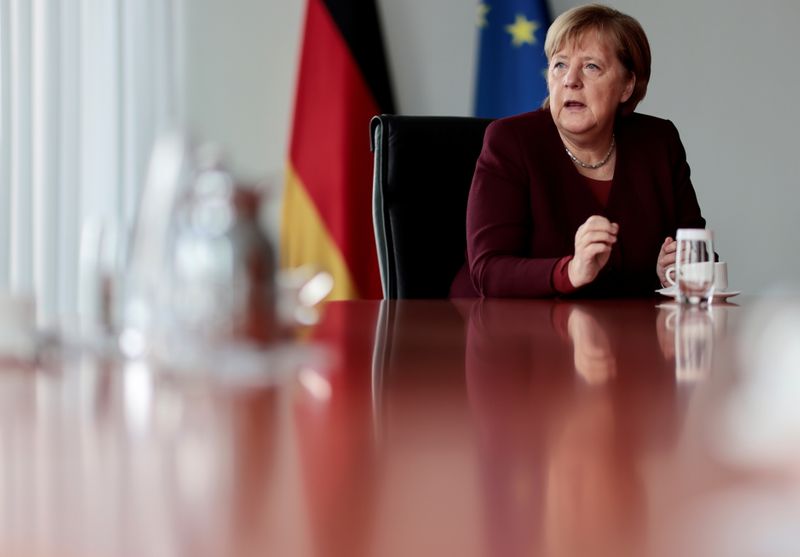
{"x":694,"y":266}
{"x":694,"y":343}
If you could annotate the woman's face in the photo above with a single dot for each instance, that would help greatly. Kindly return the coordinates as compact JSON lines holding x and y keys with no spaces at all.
{"x":587,"y":83}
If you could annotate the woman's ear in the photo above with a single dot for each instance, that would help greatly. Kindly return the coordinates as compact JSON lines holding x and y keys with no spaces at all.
{"x":628,"y":90}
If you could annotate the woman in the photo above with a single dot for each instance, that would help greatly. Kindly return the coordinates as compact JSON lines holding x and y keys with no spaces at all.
{"x":582,"y":196}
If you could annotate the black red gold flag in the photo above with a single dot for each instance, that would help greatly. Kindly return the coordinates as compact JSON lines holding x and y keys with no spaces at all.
{"x":327,"y":210}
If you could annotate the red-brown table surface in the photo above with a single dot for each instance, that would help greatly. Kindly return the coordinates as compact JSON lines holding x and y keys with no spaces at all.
{"x":493,"y":428}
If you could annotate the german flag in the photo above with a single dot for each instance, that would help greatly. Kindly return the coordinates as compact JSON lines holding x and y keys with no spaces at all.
{"x":327,"y":209}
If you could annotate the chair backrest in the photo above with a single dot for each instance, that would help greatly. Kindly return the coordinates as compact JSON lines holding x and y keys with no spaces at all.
{"x":423,"y":172}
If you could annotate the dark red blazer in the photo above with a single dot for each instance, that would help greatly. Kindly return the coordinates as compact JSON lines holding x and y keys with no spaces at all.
{"x":527,"y":200}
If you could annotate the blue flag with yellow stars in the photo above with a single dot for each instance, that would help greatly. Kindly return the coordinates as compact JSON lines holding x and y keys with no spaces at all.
{"x":512,"y":67}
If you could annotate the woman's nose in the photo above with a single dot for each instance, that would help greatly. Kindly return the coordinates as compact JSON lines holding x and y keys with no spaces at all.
{"x":572,"y":77}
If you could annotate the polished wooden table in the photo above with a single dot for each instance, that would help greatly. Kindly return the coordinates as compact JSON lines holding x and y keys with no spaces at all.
{"x":487,"y":428}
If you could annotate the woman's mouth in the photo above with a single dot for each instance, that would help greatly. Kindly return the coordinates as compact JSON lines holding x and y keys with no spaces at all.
{"x":574,"y":104}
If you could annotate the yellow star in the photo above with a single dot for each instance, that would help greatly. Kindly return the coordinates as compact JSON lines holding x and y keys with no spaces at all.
{"x":483,"y":9}
{"x":522,"y":31}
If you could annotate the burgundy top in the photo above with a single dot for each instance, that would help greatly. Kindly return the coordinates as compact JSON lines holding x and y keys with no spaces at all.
{"x":527,"y":200}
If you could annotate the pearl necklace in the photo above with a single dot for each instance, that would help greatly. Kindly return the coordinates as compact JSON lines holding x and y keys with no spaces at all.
{"x":595,"y":166}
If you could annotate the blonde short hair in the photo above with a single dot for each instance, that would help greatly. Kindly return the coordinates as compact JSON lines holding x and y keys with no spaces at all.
{"x":623,"y":32}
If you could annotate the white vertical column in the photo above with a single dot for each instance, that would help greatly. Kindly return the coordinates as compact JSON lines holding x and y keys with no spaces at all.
{"x":164,"y":64}
{"x":99,"y":109}
{"x":69,"y":167}
{"x":100,"y":134}
{"x":45,"y":156}
{"x":137,"y":102}
{"x":5,"y":144}
{"x":21,"y":191}
{"x":151,"y":72}
{"x":178,"y":34}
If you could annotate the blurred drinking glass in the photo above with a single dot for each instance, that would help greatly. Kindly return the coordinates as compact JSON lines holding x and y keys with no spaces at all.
{"x":694,"y":266}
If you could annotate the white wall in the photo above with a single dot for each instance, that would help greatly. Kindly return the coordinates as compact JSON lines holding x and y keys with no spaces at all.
{"x":241,"y":65}
{"x":724,"y":71}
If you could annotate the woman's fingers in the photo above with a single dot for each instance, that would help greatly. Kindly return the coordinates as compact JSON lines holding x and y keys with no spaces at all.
{"x":600,"y":222}
{"x":666,"y":258}
{"x":595,"y":249}
{"x":592,"y":237}
{"x":597,"y":225}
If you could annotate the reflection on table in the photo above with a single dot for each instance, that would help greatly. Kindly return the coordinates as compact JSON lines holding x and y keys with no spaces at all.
{"x":430,"y":428}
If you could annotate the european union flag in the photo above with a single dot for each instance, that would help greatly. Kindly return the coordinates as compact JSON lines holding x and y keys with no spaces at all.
{"x":511,"y":65}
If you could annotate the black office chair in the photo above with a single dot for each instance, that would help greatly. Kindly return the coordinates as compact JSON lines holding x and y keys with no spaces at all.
{"x":423,"y":172}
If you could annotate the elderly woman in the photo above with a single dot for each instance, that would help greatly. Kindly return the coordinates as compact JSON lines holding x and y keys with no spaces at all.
{"x":582,"y":196}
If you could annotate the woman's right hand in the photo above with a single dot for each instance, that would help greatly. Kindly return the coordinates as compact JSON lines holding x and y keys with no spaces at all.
{"x":593,"y":242}
{"x":666,"y":259}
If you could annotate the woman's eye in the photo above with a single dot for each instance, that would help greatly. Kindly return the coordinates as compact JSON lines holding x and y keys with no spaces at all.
{"x":559,"y":65}
{"x":593,"y":67}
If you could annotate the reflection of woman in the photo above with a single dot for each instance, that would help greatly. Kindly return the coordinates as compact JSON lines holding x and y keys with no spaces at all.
{"x":562,"y":432}
{"x":584,"y":195}
{"x":515,"y":362}
{"x":595,"y":498}
{"x":594,"y":360}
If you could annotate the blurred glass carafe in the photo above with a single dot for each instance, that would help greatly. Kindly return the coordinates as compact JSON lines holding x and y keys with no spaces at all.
{"x":201,"y":273}
{"x":221,"y":285}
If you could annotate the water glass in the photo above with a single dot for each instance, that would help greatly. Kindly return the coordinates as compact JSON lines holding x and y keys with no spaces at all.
{"x":694,"y":266}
